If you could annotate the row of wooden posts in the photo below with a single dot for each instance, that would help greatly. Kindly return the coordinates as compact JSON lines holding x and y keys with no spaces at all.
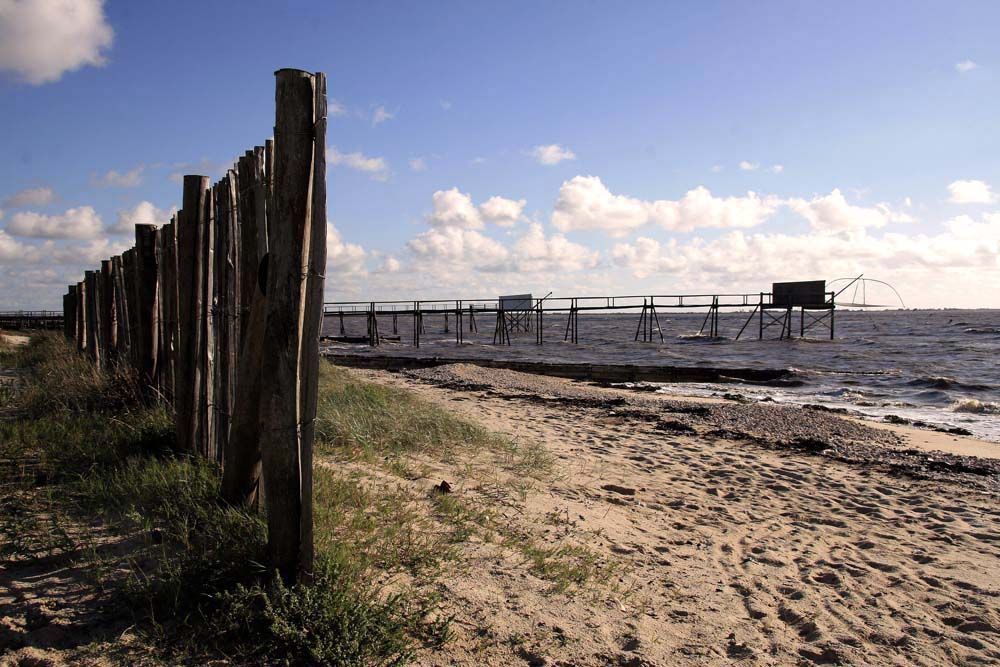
{"x":228,"y":293}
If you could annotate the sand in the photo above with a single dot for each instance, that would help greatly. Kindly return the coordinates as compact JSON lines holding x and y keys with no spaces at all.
{"x":818,"y":546}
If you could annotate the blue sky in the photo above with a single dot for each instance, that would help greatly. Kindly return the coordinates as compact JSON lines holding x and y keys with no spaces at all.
{"x":867,"y":132}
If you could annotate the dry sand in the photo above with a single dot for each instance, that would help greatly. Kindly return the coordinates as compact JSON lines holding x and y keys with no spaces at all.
{"x":826,"y":542}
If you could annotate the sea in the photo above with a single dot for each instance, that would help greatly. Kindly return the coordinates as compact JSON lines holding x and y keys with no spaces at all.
{"x":938,"y":367}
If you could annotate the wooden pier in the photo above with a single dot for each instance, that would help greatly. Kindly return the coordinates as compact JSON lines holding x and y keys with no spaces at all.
{"x":774,"y":312}
{"x":26,"y":320}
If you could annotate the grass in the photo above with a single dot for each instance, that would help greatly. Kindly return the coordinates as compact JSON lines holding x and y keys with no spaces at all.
{"x":197,"y":585}
{"x":88,"y":445}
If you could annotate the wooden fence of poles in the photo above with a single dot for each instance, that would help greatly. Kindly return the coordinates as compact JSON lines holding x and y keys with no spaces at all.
{"x":230,"y":291}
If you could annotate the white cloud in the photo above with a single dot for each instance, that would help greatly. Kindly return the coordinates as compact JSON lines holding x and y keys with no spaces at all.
{"x":376,"y":167}
{"x":418,"y":164}
{"x":89,"y":255}
{"x":477,"y":160}
{"x":82,"y":222}
{"x":749,"y":166}
{"x":440,"y":248}
{"x":716,"y":168}
{"x":40,"y":196}
{"x":453,"y":208}
{"x":777,"y":168}
{"x":748,"y":260}
{"x":389,"y":265}
{"x":502,"y":212}
{"x":585,"y":203}
{"x":342,"y":258}
{"x":335,"y":108}
{"x":380,"y":115}
{"x":966,"y":66}
{"x":970,"y":192}
{"x":534,"y":252}
{"x":40,"y":40}
{"x":552,"y":154}
{"x":143,"y":213}
{"x":13,"y":251}
{"x":833,"y":214}
{"x":114,"y":179}
{"x":445,"y":104}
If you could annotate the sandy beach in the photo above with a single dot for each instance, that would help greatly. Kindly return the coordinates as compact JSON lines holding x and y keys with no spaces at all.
{"x":729,"y":533}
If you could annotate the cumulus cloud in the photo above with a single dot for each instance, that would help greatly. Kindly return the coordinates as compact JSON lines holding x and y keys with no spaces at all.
{"x":552,"y":154}
{"x":13,"y":251}
{"x":376,"y":167}
{"x":749,"y":166}
{"x":418,"y":164}
{"x":832,"y":214}
{"x":143,"y":213}
{"x":501,"y":211}
{"x":342,"y":258}
{"x":453,"y":208}
{"x":380,"y":115}
{"x":962,"y":244}
{"x":40,"y":40}
{"x":534,"y":252}
{"x":40,"y":196}
{"x":970,"y":192}
{"x":115,"y":179}
{"x":965,"y":66}
{"x":439,"y":247}
{"x":585,"y":203}
{"x":82,"y":222}
{"x":389,"y":264}
{"x":777,"y":168}
{"x":89,"y":255}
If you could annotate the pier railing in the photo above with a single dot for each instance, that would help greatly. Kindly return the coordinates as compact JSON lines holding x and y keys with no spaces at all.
{"x":769,"y":312}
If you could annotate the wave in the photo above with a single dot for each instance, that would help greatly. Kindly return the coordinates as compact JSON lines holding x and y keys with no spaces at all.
{"x":943,"y":382}
{"x":982,"y":330}
{"x":973,"y":406}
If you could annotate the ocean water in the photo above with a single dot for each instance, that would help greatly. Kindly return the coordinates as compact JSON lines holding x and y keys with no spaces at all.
{"x":936,"y":366}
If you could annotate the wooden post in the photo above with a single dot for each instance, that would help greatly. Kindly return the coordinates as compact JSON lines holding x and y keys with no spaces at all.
{"x":187,"y":373}
{"x":120,"y":303}
{"x":206,"y":403}
{"x":296,"y":267}
{"x":241,"y":468}
{"x":167,"y":298}
{"x":93,"y":330}
{"x":69,"y":313}
{"x":129,"y":261}
{"x":81,"y":316}
{"x":106,"y":313}
{"x":145,"y":295}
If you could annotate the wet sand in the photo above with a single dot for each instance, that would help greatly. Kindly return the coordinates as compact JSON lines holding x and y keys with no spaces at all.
{"x":739,"y":534}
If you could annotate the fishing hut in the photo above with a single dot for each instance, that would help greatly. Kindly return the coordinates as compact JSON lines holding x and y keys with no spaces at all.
{"x":519,"y":314}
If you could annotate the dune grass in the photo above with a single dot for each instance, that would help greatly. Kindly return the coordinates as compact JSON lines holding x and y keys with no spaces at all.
{"x":87,"y":444}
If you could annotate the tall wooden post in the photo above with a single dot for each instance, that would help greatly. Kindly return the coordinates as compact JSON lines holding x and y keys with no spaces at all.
{"x":123,"y":335}
{"x":145,"y":291}
{"x":69,"y":313}
{"x":296,"y":266}
{"x":106,"y":313}
{"x":187,"y":373}
{"x":242,"y":457}
{"x":93,"y":307}
{"x":81,"y":316}
{"x":206,"y":350}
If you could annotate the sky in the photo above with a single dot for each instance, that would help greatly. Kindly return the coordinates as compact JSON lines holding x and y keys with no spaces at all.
{"x":479,"y":148}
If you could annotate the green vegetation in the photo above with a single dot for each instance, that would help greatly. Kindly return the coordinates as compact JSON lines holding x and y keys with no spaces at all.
{"x":86,"y":443}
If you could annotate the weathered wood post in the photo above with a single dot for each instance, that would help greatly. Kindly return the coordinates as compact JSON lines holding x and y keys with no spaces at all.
{"x":106,"y":313}
{"x":93,"y":332}
{"x":188,"y":373}
{"x":145,"y":249}
{"x":70,"y":301}
{"x":296,"y":267}
{"x":206,"y":351}
{"x":130,"y":277}
{"x":81,"y":316}
{"x":123,"y":335}
{"x":242,"y":457}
